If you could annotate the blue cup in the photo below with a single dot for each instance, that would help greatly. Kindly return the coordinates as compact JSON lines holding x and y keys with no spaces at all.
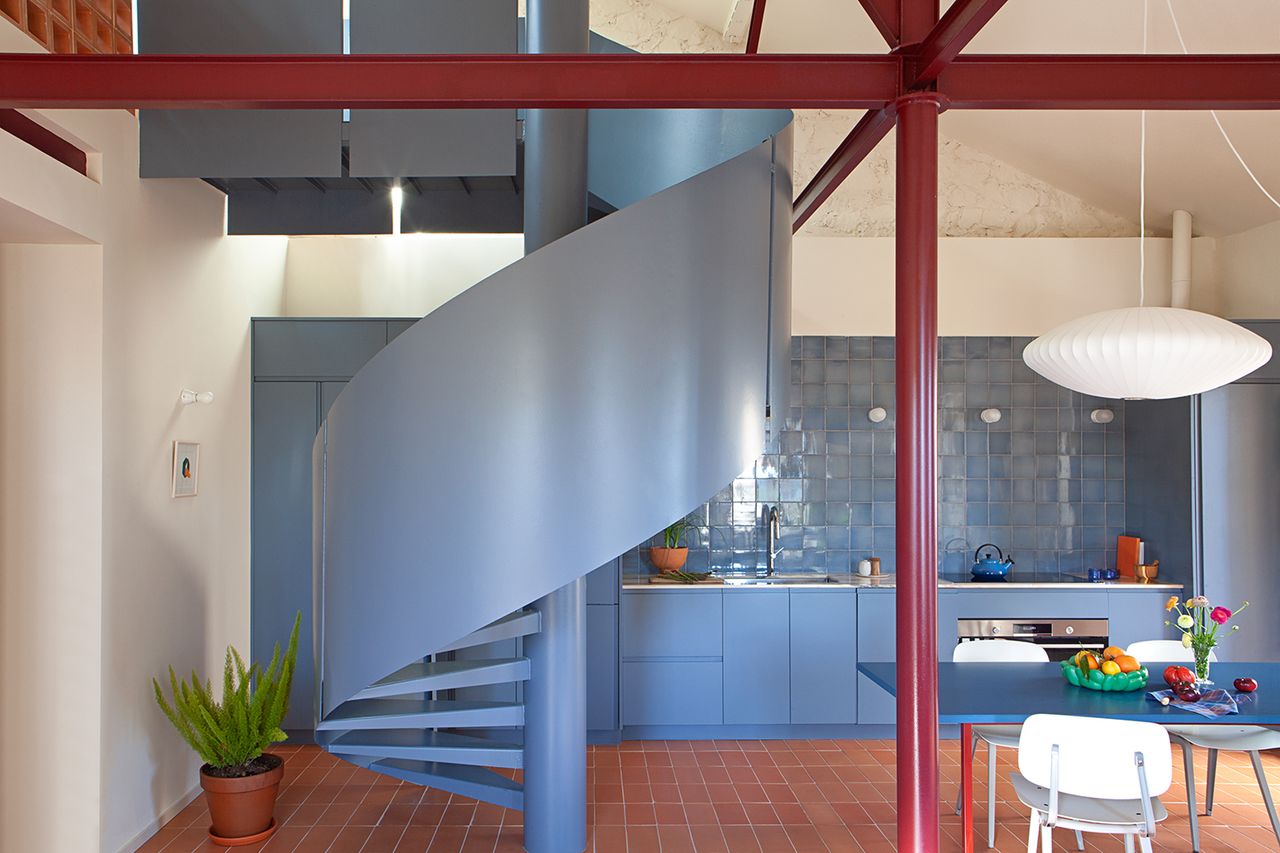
{"x":1096,"y":574}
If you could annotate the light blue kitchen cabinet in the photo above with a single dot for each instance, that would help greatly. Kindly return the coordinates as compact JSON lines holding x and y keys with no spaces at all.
{"x":604,"y":584}
{"x":1139,"y":616}
{"x":672,"y":667}
{"x":666,"y":623}
{"x":329,"y":392}
{"x":602,"y":670}
{"x":875,"y":705}
{"x":757,"y":656}
{"x":284,"y":425}
{"x":315,"y":349}
{"x":672,"y":693}
{"x":824,"y":656}
{"x":877,"y":639}
{"x":395,"y":328}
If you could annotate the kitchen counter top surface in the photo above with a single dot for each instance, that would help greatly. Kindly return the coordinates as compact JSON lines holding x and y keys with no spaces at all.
{"x":1025,"y":580}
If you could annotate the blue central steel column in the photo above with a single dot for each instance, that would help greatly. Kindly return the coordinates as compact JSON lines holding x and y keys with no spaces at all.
{"x":555,"y":730}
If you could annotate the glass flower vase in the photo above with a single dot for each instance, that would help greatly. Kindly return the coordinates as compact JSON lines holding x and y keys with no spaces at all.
{"x":1202,"y":652}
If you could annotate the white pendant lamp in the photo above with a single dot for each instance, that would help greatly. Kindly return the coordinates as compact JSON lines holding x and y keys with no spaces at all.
{"x":1146,"y":353}
{"x":1149,"y":352}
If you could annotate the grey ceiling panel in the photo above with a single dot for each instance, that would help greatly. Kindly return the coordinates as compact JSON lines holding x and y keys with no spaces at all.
{"x":428,"y":143}
{"x":240,"y":143}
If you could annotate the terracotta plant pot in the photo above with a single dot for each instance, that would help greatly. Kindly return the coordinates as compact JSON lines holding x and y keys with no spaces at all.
{"x":240,"y":809}
{"x":669,"y":559}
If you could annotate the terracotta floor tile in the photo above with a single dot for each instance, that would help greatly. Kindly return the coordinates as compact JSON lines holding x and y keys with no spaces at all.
{"x":701,"y":797}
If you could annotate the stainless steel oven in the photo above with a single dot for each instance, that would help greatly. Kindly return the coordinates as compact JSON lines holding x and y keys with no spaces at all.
{"x":1061,"y":638}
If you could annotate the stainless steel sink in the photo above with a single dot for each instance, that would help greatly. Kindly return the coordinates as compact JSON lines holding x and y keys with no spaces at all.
{"x":775,"y":580}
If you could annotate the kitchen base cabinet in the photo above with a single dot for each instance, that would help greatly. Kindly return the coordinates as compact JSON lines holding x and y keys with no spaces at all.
{"x":876,"y":706}
{"x":757,"y":656}
{"x":672,"y":693}
{"x":824,"y":656}
{"x":1140,"y":616}
{"x":602,"y":670}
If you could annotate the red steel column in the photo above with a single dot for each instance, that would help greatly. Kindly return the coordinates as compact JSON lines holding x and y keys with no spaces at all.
{"x":916,"y":352}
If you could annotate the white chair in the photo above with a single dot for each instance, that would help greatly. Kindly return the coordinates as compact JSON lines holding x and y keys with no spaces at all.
{"x":1250,"y":739}
{"x":996,"y":651}
{"x":1092,"y":774}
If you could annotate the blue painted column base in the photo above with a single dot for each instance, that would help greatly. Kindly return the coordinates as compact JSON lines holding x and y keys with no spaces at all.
{"x":555,"y":729}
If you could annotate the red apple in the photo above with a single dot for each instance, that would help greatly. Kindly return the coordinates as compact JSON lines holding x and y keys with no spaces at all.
{"x":1174,"y":675}
{"x":1245,"y":685}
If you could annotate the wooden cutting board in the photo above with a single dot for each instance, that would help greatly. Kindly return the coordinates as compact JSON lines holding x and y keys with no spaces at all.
{"x":662,"y":579}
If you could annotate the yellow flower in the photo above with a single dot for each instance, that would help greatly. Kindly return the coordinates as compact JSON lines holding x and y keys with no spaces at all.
{"x":1171,"y":603}
{"x":1186,"y":641}
{"x":1185,"y":622}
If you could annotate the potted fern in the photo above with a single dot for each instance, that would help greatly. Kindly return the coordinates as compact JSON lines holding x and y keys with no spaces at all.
{"x":670,"y":556}
{"x":240,"y":780}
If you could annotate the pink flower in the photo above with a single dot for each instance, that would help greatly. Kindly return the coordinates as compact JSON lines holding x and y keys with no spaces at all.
{"x":1220,"y":615}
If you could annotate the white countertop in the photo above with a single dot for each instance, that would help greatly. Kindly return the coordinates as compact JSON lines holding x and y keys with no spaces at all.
{"x":890,"y":582}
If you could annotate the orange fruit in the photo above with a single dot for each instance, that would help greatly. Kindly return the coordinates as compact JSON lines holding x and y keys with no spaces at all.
{"x":1086,"y":660}
{"x":1112,"y":652}
{"x":1128,"y":663}
{"x":1110,"y":667}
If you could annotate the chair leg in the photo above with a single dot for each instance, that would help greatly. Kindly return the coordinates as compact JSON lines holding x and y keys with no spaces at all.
{"x":1213,"y":776}
{"x":1033,"y":835}
{"x":1189,"y":767}
{"x":1046,"y":839}
{"x":1128,"y":843}
{"x":991,"y":795}
{"x":1144,"y":844}
{"x":1256,"y":757}
{"x":1079,"y":840}
{"x":960,"y":791}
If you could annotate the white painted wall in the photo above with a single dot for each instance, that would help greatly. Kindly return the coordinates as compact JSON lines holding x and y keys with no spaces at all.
{"x":1250,"y":270}
{"x":169,"y":307}
{"x":986,"y":285}
{"x":408,"y":275}
{"x":50,"y":546}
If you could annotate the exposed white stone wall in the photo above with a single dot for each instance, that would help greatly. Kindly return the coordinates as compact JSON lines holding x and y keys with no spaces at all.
{"x":980,"y":196}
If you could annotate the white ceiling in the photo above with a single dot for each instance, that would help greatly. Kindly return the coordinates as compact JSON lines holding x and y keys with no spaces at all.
{"x":1093,"y":155}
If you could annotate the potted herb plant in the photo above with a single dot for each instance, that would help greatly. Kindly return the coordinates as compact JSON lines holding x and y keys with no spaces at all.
{"x":240,"y":780}
{"x":670,"y":556}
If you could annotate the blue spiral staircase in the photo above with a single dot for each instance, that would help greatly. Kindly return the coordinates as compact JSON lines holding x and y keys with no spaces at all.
{"x":536,"y":426}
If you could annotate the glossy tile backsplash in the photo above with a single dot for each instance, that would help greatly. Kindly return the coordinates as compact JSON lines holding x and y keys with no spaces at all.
{"x":1044,"y":483}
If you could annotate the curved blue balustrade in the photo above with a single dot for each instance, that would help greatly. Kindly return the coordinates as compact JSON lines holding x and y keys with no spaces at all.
{"x":542,"y":422}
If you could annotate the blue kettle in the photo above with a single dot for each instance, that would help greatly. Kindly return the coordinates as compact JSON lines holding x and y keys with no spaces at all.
{"x":988,"y":567}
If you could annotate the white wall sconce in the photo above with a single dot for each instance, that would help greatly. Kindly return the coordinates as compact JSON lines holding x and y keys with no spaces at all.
{"x":186,"y":396}
{"x":1102,"y":416}
{"x":877,"y":415}
{"x":990,"y":416}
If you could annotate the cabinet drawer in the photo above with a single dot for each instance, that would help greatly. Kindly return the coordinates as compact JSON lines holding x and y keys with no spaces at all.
{"x":669,"y":693}
{"x":668,"y":624}
{"x":320,"y":349}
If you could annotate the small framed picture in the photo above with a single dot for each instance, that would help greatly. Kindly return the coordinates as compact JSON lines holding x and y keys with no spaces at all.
{"x":186,"y":469}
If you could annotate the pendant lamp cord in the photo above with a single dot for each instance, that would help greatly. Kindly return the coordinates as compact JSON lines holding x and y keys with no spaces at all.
{"x":1214,"y":113}
{"x":1142,"y":183}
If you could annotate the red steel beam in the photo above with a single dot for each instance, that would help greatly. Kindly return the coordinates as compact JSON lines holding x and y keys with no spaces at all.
{"x":916,"y":360}
{"x":916,"y":19}
{"x":1113,"y":82}
{"x":447,"y":81}
{"x":865,"y":136}
{"x":757,"y":25}
{"x":45,"y":140}
{"x":945,"y":41}
{"x":884,"y":15}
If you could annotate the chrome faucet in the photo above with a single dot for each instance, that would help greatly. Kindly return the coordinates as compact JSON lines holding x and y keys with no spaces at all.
{"x":775,"y":532}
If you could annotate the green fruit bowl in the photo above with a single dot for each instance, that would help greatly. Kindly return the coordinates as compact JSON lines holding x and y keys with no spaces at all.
{"x":1121,"y":682}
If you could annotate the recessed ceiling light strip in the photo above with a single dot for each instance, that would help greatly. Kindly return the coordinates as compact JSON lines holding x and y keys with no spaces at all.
{"x":1178,"y":31}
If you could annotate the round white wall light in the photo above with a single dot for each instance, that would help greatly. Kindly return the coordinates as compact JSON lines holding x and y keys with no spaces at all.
{"x":877,"y":415}
{"x":990,"y":416}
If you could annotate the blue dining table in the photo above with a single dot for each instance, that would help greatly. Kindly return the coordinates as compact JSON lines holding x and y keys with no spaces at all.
{"x":972,"y":694}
